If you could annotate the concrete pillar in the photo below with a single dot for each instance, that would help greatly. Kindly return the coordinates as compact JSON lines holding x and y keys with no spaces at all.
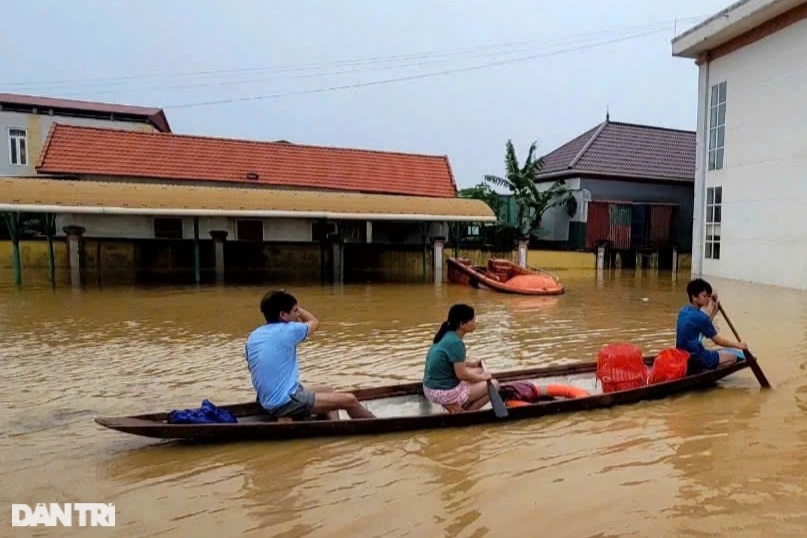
{"x":14,"y":225}
{"x":369,"y":225}
{"x":197,"y":267}
{"x":701,"y":165}
{"x":522,"y":252}
{"x":219,"y":236}
{"x":601,"y":257}
{"x":338,"y":249}
{"x":74,"y":237}
{"x":438,"y":245}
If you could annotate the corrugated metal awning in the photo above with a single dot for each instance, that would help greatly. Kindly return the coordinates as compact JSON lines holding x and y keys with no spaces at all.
{"x":132,"y":198}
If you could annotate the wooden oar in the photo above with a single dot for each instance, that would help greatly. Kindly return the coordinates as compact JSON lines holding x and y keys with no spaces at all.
{"x":495,"y":398}
{"x":752,"y":361}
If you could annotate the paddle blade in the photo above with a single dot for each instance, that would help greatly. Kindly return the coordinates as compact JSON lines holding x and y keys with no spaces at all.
{"x":752,"y":362}
{"x":496,"y":401}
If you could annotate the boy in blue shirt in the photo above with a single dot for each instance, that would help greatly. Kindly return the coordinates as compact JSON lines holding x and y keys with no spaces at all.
{"x":271,"y":353}
{"x":693,"y":322}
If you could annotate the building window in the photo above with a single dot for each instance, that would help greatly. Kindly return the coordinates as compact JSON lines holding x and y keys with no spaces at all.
{"x":249,"y":229}
{"x":714,"y":204}
{"x":321,"y":230}
{"x":168,"y":228}
{"x":18,"y":146}
{"x":717,"y":126}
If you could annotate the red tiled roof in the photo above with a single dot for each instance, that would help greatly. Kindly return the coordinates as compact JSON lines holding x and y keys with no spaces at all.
{"x":155,"y":116}
{"x":626,"y":150}
{"x":115,"y":153}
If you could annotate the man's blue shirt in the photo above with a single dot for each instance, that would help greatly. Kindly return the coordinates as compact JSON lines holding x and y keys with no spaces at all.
{"x":692,"y":322}
{"x":271,"y":354}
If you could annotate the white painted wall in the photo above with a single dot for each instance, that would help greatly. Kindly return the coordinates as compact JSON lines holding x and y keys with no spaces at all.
{"x":287,"y":230}
{"x":142,"y":227}
{"x":113,"y":226}
{"x":701,"y":160}
{"x":763,"y":236}
{"x":555,"y":223}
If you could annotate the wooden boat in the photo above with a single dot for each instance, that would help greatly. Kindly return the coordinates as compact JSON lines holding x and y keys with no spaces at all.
{"x":404,"y":408}
{"x":503,"y":276}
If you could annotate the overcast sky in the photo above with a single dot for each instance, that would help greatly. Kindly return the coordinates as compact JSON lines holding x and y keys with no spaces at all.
{"x":526,"y":70}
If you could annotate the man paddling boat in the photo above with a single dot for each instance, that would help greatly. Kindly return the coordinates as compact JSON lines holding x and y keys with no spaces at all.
{"x":694,"y":324}
{"x":271,"y":354}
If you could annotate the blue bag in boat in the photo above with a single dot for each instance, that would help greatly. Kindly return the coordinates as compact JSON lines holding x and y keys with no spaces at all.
{"x":207,"y":414}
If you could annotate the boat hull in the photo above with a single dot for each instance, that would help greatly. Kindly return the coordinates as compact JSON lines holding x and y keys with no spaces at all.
{"x":252,"y":426}
{"x":510,"y":277}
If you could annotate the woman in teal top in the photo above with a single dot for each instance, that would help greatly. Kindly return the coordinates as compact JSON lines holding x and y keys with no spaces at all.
{"x":448,"y":378}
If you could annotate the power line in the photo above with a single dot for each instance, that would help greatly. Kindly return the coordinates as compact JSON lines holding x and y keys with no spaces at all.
{"x":418,"y":77}
{"x":54,"y":84}
{"x":351,"y":71}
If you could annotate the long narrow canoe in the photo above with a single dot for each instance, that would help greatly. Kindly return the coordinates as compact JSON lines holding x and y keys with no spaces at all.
{"x":404,"y":408}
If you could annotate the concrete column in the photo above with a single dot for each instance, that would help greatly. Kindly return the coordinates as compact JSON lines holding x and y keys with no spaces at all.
{"x":197,"y":268}
{"x":74,"y":237}
{"x":219,"y":236}
{"x":338,"y":249}
{"x":675,"y":259}
{"x":14,"y":224}
{"x":601,"y":257}
{"x":438,"y":245}
{"x":701,"y":165}
{"x":369,"y":225}
{"x":522,"y":252}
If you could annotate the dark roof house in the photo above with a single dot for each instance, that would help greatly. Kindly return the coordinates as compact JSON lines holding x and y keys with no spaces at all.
{"x":626,"y":151}
{"x":634,"y":186}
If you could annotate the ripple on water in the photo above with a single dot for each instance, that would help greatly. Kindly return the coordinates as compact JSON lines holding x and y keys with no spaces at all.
{"x":731,"y":458}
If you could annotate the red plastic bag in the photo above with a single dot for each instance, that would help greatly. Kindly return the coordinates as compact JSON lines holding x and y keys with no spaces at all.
{"x":669,"y":364}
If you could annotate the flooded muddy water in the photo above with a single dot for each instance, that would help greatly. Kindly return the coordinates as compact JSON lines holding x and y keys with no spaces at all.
{"x":730,"y":461}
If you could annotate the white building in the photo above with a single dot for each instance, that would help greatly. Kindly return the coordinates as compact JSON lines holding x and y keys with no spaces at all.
{"x":750,"y":183}
{"x":26,"y":120}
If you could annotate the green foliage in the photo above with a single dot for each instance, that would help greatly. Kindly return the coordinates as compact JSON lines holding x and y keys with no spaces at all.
{"x":482,"y":191}
{"x":532,"y":203}
{"x":26,"y":225}
{"x":498,"y":237}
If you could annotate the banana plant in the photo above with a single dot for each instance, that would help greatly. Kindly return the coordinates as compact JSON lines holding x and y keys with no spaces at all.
{"x":532,"y":203}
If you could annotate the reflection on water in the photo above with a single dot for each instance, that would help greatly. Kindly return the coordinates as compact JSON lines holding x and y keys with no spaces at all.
{"x":727,"y":461}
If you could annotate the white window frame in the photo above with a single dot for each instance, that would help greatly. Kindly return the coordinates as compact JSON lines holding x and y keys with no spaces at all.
{"x":18,"y":145}
{"x":714,"y":218}
{"x":717,"y":126}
